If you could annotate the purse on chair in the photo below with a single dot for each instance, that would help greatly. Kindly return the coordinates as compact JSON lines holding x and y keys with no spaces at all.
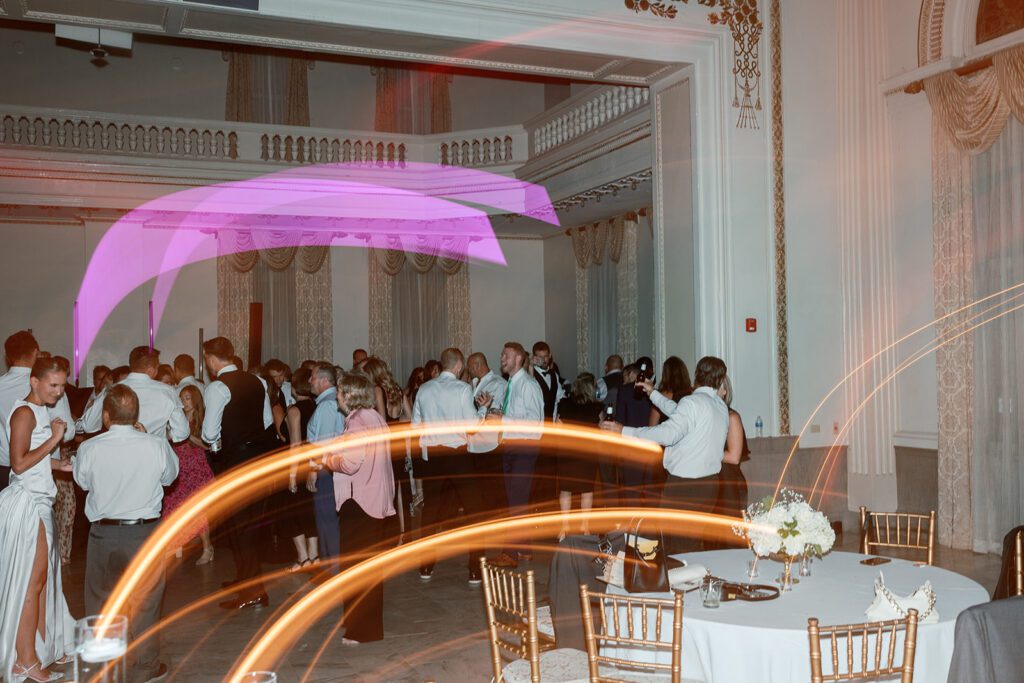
{"x":644,"y":567}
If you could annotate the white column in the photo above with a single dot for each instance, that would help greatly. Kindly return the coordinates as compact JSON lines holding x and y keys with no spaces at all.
{"x":866,"y":237}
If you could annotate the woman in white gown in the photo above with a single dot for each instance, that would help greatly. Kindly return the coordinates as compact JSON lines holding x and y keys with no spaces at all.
{"x":36,"y":628}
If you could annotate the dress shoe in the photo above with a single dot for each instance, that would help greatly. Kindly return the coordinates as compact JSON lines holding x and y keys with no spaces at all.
{"x":426,"y":573}
{"x":158,"y":675}
{"x":257,"y":601}
{"x":475,"y":579}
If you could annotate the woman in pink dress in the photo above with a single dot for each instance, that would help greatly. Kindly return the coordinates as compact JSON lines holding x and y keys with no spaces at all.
{"x":193,"y":471}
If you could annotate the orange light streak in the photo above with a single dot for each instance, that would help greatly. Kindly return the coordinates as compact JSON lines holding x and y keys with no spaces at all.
{"x":279,"y":638}
{"x":821,"y":404}
{"x":250,"y":480}
{"x":916,"y":356}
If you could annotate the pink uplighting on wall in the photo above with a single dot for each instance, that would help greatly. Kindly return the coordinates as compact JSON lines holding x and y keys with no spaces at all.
{"x":421,"y":208}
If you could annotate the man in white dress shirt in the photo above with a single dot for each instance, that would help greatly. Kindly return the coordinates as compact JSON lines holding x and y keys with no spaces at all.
{"x":124,"y":471}
{"x":238,"y":426}
{"x":21,"y":350}
{"x":489,"y":395}
{"x":185,"y":373}
{"x":523,"y":408}
{"x":694,"y":439}
{"x":160,"y":410}
{"x":445,"y":458}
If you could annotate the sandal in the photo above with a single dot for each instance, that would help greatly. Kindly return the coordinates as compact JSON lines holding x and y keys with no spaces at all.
{"x":66,"y":659}
{"x":35,"y":673}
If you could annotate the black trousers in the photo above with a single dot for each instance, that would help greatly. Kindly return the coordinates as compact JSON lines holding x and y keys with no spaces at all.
{"x":452,"y":469}
{"x":244,"y":527}
{"x":698,"y":495}
{"x":110,"y":550}
{"x":361,"y":537}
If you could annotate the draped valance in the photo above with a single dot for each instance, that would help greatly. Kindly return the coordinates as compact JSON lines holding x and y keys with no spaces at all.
{"x":592,"y":243}
{"x":421,"y":252}
{"x":973,"y":109}
{"x":242,"y":248}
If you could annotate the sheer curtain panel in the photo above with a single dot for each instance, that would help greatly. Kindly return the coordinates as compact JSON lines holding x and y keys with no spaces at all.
{"x":997,"y":470}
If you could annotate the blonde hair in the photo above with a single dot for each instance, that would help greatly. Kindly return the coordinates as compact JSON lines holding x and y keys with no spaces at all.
{"x":380,"y":375}
{"x":357,"y":388}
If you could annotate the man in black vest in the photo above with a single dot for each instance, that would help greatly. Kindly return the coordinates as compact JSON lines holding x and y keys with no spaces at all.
{"x":546,"y":373}
{"x":237,"y":425}
{"x":608,"y":392}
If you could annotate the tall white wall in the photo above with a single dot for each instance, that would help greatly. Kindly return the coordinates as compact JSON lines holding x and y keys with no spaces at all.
{"x":814,"y":249}
{"x":41,"y":271}
{"x":508,"y":302}
{"x":560,"y":302}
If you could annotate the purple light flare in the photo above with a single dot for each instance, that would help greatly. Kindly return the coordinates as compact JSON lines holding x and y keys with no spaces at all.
{"x":421,"y":208}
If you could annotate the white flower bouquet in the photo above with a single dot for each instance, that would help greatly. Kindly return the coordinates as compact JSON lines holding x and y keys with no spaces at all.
{"x":789,"y":526}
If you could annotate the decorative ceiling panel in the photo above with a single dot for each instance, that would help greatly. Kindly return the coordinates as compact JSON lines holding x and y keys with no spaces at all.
{"x":112,"y":13}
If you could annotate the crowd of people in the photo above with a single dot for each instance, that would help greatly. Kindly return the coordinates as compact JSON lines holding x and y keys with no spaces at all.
{"x":147,"y":436}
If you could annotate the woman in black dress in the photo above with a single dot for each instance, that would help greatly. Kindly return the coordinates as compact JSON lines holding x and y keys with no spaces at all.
{"x":298,"y":521}
{"x":577,"y":469}
{"x":732,"y":485}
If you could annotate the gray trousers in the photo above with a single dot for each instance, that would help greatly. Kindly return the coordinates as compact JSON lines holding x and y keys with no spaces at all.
{"x":111,"y":549}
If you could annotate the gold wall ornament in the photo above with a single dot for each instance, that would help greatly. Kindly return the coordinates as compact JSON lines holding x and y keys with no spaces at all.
{"x":660,"y":9}
{"x":744,"y":21}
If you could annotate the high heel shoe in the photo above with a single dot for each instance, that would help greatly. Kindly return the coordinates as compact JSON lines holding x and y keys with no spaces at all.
{"x":34,"y":673}
{"x":206,"y":557}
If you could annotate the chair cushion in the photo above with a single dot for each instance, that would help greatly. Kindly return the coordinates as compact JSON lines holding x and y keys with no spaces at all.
{"x":544,"y":623}
{"x":556,"y":666}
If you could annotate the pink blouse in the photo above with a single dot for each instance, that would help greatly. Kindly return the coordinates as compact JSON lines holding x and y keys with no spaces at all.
{"x":363,"y":473}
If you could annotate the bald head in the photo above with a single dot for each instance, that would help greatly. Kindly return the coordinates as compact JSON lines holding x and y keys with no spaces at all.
{"x":477,"y":365}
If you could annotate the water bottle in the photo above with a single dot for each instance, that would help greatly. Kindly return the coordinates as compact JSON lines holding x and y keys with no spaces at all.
{"x":759,"y":427}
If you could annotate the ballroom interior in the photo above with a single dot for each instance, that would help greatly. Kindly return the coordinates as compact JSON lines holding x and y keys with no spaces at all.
{"x":826,"y":194}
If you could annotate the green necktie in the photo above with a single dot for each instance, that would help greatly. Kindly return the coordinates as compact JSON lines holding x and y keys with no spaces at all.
{"x":508,"y":394}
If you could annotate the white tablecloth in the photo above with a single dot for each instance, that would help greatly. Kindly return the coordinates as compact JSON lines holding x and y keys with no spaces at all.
{"x":767,"y":641}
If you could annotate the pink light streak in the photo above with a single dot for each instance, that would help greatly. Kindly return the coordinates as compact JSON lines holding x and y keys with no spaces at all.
{"x":421,"y":208}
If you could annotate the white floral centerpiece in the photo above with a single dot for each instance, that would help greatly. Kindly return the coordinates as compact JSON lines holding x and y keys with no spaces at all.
{"x":788,"y":528}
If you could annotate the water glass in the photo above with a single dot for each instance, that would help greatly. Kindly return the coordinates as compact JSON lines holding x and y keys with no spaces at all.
{"x":711,"y":592}
{"x":100,"y":646}
{"x":752,"y":572}
{"x":259,"y":677}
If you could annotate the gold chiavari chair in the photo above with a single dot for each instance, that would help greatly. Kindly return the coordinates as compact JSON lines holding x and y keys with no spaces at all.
{"x":510,"y":601}
{"x":897,"y":530}
{"x":883,"y":633}
{"x":1018,"y":562}
{"x":635,"y":632}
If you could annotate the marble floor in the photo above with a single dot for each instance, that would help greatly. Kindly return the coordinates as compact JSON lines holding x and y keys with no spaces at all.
{"x":434,"y":630}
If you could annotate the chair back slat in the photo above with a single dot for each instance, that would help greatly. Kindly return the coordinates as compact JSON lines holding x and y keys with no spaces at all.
{"x":881,"y":632}
{"x":510,"y":601}
{"x":1018,"y":561}
{"x":635,"y":635}
{"x":911,"y":531}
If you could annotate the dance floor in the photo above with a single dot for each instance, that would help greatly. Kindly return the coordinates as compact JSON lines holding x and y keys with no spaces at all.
{"x":434,"y":631}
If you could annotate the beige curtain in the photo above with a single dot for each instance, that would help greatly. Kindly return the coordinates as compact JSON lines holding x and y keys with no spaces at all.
{"x":257,"y":82}
{"x":973,"y":109}
{"x":614,"y":239}
{"x":385,"y":264}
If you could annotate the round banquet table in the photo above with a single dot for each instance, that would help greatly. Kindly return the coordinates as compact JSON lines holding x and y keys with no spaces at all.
{"x":767,"y":641}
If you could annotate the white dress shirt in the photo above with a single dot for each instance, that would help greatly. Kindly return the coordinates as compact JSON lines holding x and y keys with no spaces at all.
{"x":495,"y":385}
{"x":694,"y":434}
{"x":190,"y":381}
{"x":217,"y":396}
{"x":14,"y":386}
{"x":444,"y":399}
{"x":286,"y":392}
{"x":160,"y":410}
{"x":549,"y":376}
{"x":124,"y":471}
{"x":525,"y":404}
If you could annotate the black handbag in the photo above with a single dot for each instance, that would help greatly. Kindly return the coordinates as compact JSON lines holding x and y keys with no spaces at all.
{"x":644,"y":571}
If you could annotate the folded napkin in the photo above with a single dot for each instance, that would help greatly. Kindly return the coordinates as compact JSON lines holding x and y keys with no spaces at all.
{"x":689,"y":573}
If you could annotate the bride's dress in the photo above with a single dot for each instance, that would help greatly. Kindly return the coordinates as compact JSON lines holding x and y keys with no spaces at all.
{"x":23,"y":504}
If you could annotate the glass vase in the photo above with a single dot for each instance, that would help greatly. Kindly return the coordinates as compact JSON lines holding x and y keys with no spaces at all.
{"x":805,"y":565}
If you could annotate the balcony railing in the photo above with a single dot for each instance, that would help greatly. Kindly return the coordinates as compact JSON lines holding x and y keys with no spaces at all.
{"x":501,"y":149}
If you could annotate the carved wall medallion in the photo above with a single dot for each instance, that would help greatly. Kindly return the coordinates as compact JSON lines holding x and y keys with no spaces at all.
{"x":744,"y":23}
